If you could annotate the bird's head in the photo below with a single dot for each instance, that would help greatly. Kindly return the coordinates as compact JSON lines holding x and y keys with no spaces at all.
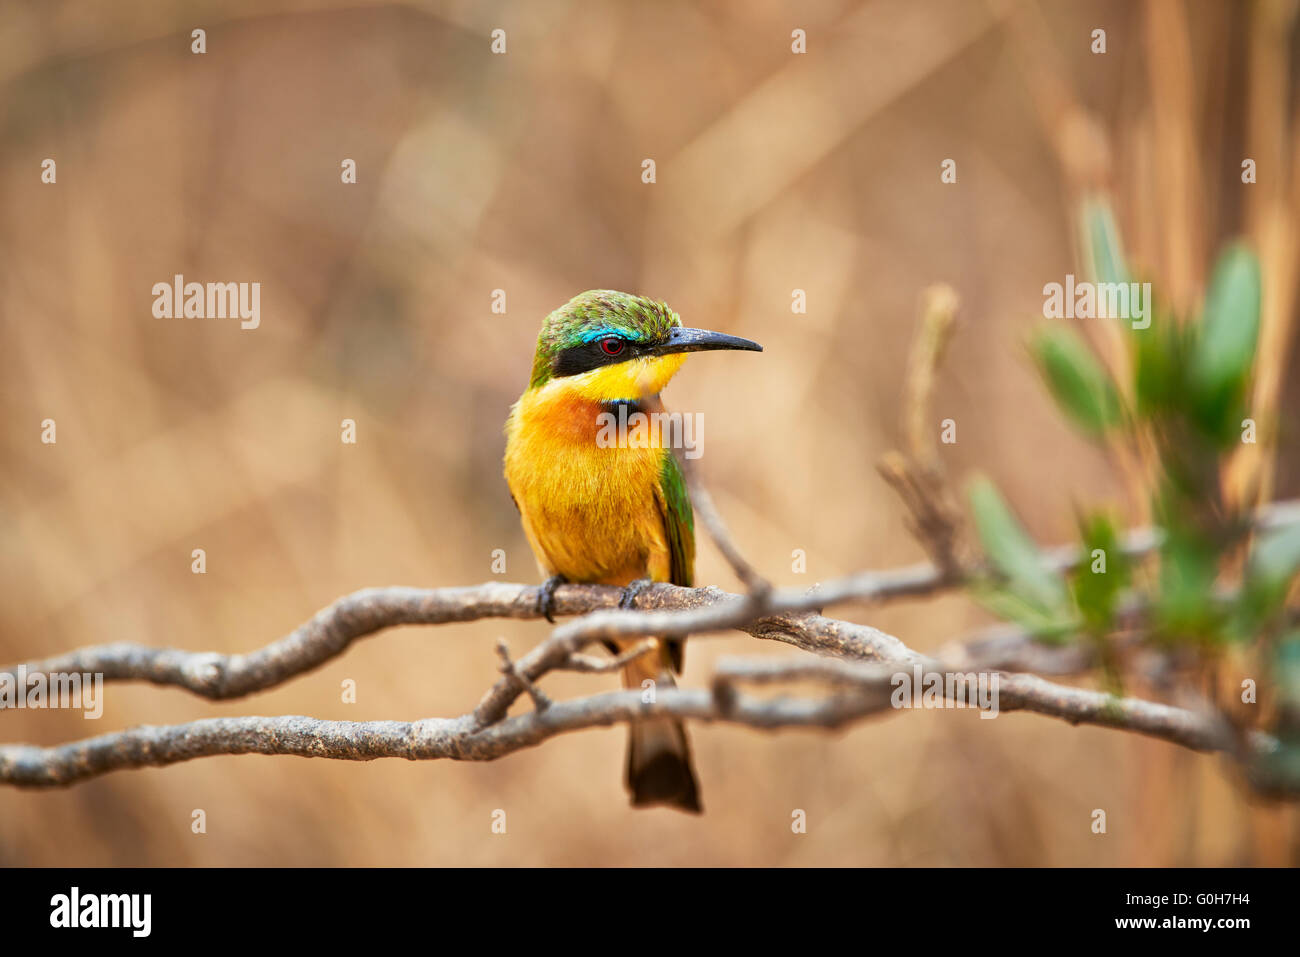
{"x":607,"y":345}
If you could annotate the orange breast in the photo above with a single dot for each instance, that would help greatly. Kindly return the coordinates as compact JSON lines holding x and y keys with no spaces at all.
{"x":591,"y":514}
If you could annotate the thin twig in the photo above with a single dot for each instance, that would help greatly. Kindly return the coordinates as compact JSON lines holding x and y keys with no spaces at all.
{"x":541,"y":701}
{"x":590,"y":664}
{"x":704,"y":510}
{"x":917,"y":475}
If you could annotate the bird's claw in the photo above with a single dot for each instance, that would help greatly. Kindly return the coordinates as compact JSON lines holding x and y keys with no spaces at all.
{"x":628,"y":599}
{"x":546,"y":596}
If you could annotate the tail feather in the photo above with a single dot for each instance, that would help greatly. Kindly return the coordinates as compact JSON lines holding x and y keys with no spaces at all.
{"x":659,"y":768}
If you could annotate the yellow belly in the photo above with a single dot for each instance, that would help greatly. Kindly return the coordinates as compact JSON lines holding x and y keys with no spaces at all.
{"x":591,"y":514}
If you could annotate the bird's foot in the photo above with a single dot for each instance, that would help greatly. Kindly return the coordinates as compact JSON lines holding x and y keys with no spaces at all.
{"x":546,"y":596}
{"x":630,"y":593}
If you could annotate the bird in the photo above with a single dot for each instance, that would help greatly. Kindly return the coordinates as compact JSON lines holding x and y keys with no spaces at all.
{"x":612,"y":513}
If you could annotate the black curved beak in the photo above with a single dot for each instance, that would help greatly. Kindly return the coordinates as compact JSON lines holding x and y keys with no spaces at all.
{"x":702,"y":340}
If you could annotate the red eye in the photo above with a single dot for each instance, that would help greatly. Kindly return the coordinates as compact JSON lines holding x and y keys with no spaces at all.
{"x":611,"y":345}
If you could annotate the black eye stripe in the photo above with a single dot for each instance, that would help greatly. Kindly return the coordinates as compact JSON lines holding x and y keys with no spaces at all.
{"x":592,"y":355}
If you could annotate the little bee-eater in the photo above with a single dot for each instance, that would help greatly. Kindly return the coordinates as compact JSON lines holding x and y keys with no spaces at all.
{"x":612,"y":513}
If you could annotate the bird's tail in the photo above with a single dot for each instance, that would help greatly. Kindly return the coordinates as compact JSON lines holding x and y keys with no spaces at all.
{"x":659,"y":769}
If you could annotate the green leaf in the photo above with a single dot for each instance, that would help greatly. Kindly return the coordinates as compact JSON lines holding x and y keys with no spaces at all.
{"x":1185,"y":605}
{"x":1273,"y":565}
{"x":1276,"y":558}
{"x":1102,"y":576}
{"x":1014,"y":555}
{"x":1277,"y":770}
{"x":1286,"y":670}
{"x":1158,"y":360}
{"x":1102,"y":246}
{"x":1076,"y":379}
{"x":1043,"y":625}
{"x":1229,"y":330}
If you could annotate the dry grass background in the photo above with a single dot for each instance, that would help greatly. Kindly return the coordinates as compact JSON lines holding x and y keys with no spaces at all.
{"x":522,"y":172}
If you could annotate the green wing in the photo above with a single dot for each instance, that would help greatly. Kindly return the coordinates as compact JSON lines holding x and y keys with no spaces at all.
{"x":679,"y":523}
{"x":679,"y":520}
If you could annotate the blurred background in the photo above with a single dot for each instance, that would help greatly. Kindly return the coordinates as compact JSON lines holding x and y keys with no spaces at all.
{"x":522,"y":172}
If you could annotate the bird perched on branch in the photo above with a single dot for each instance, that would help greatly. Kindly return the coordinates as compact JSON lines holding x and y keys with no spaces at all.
{"x":612,"y":513}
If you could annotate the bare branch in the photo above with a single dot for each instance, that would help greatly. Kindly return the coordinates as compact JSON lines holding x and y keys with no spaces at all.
{"x":862,"y":689}
{"x":330,"y":632}
{"x":858,"y":683}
